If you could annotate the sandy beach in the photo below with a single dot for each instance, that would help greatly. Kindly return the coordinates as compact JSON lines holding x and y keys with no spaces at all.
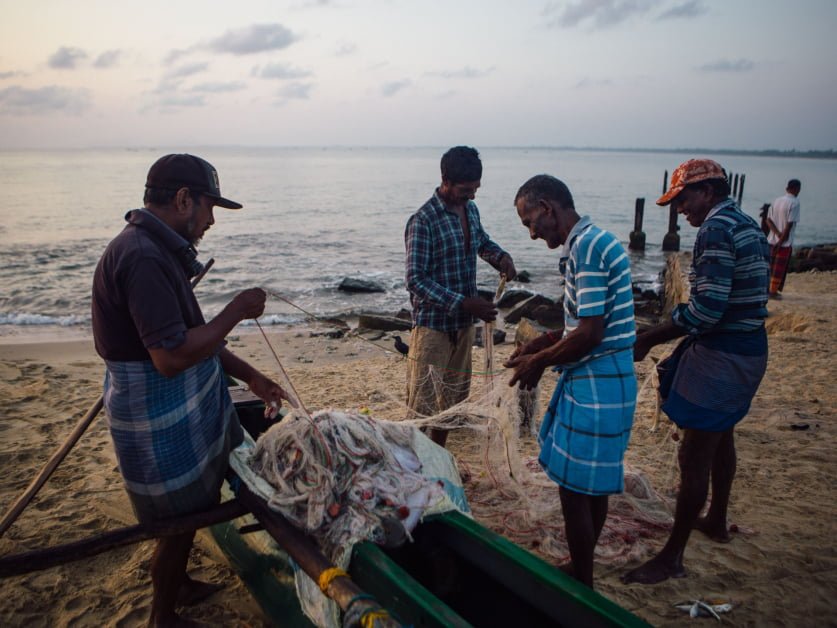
{"x":779,"y":570}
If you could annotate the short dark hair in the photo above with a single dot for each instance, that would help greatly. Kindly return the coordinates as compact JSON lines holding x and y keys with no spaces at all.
{"x":720,"y":187}
{"x":794,"y":184}
{"x":160,"y":196}
{"x":545,"y":186}
{"x":461,"y":164}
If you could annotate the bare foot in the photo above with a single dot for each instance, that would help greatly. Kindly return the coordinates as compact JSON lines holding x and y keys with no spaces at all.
{"x":654,"y":571}
{"x":194,"y":591}
{"x":717,"y":532}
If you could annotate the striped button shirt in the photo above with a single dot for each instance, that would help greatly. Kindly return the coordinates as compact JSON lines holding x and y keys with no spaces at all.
{"x":730,"y":274}
{"x":597,"y":277}
{"x":440,"y":272}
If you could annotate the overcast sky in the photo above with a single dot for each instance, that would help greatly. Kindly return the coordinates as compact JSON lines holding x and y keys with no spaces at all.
{"x":750,"y":74}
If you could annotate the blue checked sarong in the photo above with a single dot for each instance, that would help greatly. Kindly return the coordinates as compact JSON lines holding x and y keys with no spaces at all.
{"x":709,"y":381}
{"x":587,"y":426}
{"x":172,"y":436}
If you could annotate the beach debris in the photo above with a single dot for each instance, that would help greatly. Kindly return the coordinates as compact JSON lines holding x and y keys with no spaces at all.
{"x":700,"y":608}
{"x":382,"y":322}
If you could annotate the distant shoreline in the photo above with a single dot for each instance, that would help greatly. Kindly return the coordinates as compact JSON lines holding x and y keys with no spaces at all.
{"x":793,"y":153}
{"x":806,"y":154}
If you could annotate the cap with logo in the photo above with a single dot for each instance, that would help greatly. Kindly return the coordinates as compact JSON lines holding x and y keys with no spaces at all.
{"x":691,"y":171}
{"x":173,"y":172}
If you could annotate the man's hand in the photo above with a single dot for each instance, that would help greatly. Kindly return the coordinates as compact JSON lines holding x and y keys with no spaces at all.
{"x":249,"y":303}
{"x":527,"y":371}
{"x":533,"y":346}
{"x":507,"y":267}
{"x":479,"y":307}
{"x":641,"y":348}
{"x":270,"y":392}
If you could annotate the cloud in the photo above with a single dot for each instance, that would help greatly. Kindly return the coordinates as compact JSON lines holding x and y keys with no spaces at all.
{"x":589,"y":82}
{"x":393,"y":87}
{"x":690,"y":8}
{"x":465,"y":73}
{"x":602,"y":13}
{"x":107,"y":59}
{"x":280,"y":71}
{"x":17,"y":100}
{"x":295,"y":91}
{"x":173,"y":55}
{"x":66,"y":58}
{"x":727,"y":65}
{"x":187,"y":70}
{"x":177,"y":101}
{"x":252,"y":39}
{"x":346,"y":49}
{"x":218,"y":88}
{"x":10,"y":74}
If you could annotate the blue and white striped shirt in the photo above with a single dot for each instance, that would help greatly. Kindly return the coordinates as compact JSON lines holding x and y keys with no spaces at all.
{"x":730,"y":274}
{"x":597,"y":277}
{"x":440,"y":272}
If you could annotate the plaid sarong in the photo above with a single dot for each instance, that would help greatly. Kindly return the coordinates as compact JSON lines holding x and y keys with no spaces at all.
{"x":172,"y":435}
{"x":586,"y":429}
{"x":709,"y":381}
{"x":779,"y":262}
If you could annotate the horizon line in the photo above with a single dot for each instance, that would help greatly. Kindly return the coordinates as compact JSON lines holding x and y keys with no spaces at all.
{"x":784,"y":152}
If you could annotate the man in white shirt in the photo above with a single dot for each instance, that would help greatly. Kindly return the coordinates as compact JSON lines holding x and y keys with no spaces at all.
{"x":782,"y":219}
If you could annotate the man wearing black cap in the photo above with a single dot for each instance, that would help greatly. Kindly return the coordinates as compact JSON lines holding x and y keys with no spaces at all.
{"x":170,"y":415}
{"x":709,"y":380}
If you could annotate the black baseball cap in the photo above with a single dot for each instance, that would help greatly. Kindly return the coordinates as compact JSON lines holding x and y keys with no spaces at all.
{"x":173,"y":172}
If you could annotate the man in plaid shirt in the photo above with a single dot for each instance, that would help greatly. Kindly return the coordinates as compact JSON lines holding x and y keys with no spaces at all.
{"x":443,"y":239}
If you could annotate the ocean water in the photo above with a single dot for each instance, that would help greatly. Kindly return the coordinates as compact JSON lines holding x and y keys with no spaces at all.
{"x":313,"y":216}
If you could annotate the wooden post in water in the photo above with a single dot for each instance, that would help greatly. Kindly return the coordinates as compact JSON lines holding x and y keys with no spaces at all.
{"x":741,"y":189}
{"x":735,"y":185}
{"x":637,"y":237}
{"x":671,"y":241}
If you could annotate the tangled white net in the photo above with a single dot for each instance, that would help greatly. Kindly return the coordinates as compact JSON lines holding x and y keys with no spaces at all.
{"x":344,"y":477}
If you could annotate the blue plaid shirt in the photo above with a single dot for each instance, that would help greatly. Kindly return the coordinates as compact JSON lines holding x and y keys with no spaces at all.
{"x":730,"y":274}
{"x":440,"y":272}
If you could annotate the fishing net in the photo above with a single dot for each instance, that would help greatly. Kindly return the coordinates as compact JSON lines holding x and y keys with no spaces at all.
{"x":507,"y":490}
{"x":344,"y":477}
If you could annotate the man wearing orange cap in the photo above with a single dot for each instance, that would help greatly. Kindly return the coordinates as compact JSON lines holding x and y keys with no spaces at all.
{"x":708,"y":382}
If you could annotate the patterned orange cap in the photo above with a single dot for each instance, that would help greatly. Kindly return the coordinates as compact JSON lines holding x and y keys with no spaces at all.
{"x":688,"y":172}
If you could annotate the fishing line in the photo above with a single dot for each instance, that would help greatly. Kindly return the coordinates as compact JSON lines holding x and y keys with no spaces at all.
{"x":285,"y":376}
{"x":317,"y":319}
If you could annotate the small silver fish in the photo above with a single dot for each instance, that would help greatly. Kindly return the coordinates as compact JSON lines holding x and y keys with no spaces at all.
{"x":699,"y":608}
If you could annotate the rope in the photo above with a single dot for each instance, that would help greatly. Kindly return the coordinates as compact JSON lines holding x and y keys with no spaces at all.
{"x":327,"y":576}
{"x":284,"y":373}
{"x":368,"y":619}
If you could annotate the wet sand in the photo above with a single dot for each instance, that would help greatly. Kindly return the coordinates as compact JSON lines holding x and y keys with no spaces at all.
{"x":779,"y":570}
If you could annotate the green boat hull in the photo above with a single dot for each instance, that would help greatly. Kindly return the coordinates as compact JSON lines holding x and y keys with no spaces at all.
{"x":455,"y":573}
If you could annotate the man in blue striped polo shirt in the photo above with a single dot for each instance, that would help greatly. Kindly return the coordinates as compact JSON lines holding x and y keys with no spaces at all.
{"x":709,"y":381}
{"x":443,"y":239}
{"x":585,"y":431}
